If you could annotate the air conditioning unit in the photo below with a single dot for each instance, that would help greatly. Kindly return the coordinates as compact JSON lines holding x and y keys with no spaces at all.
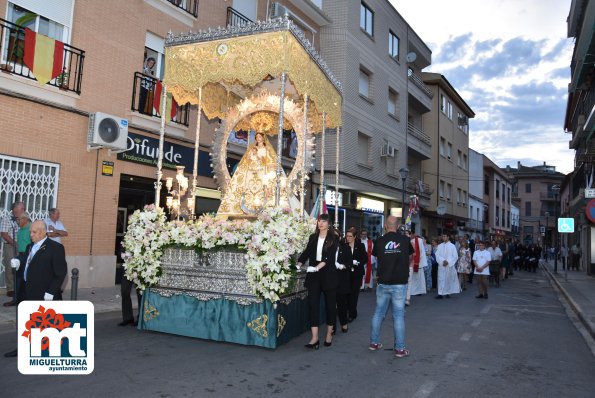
{"x":107,"y":131}
{"x":387,"y":150}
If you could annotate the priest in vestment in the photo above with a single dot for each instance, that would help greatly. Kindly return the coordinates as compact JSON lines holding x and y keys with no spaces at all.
{"x":446,"y":256}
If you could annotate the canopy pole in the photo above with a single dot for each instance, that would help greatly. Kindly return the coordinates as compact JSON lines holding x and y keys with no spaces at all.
{"x":322,"y":187}
{"x":196,"y":153}
{"x":280,"y":141}
{"x":337,"y":181}
{"x":304,"y":151}
{"x":161,"y":139}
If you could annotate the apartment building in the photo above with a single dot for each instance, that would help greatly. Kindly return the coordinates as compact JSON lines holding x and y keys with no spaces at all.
{"x":448,"y":168}
{"x":538,"y":191}
{"x":107,"y":64}
{"x":474,"y":225}
{"x":580,"y":122}
{"x":497,"y":198}
{"x":378,"y":58}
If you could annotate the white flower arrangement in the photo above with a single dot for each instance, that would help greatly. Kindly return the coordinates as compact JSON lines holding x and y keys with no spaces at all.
{"x":271,"y":243}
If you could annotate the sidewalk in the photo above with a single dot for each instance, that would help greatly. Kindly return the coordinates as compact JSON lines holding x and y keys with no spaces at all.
{"x":106,"y":299}
{"x":578,"y":290}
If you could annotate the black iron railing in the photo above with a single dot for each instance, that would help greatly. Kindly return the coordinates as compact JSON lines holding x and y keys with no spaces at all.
{"x":12,"y":51}
{"x":143,"y":99}
{"x":190,"y":6}
{"x":235,"y":18}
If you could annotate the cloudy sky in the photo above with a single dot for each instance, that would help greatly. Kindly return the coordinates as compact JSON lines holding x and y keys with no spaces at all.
{"x":510,"y":61}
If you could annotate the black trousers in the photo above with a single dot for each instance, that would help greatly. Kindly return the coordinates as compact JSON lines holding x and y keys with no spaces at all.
{"x":342,"y":307}
{"x":330,"y":299}
{"x":125,"y":290}
{"x":356,"y":284}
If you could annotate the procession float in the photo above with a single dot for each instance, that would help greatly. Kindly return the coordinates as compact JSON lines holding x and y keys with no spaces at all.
{"x":232,"y":276}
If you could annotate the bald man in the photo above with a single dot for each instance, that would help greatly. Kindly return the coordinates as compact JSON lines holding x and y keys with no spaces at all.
{"x":45,"y":268}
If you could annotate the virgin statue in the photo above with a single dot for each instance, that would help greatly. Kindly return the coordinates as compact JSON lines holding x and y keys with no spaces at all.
{"x":252,"y":186}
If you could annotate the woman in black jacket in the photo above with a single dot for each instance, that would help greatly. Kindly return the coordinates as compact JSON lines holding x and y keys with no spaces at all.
{"x":322,"y":277}
{"x":356,"y":262}
{"x":344,"y":283}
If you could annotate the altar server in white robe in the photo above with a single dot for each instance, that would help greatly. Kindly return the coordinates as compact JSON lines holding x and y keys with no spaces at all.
{"x":417,"y":278}
{"x":446,"y":257}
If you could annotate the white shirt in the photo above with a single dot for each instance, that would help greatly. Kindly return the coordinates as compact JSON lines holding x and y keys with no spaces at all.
{"x":482,"y":257}
{"x":319,"y":250}
{"x":496,"y":253}
{"x":57,"y":226}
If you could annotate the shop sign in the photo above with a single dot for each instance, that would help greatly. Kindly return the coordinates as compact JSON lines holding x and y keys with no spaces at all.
{"x":145,"y":150}
{"x":367,"y":204}
{"x":329,"y":197}
{"x":107,"y":168}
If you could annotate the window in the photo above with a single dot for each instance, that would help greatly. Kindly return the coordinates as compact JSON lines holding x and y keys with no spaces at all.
{"x":366,"y":19}
{"x":471,"y":212}
{"x":508,"y":219}
{"x":363,"y":148}
{"x":442,"y":146}
{"x":459,"y":195}
{"x":449,"y":150}
{"x":497,"y":189}
{"x":364,"y":83}
{"x":154,"y":48}
{"x":43,"y":17}
{"x":509,"y":195}
{"x":503,"y":218}
{"x":527,"y":188}
{"x":464,"y":162}
{"x":448,"y":192}
{"x":393,"y":45}
{"x":442,"y":103}
{"x":393,"y":103}
{"x":449,"y":110}
{"x":486,"y":184}
{"x":464,"y":198}
{"x":527,"y":209}
{"x":503,"y":193}
{"x":441,"y":189}
{"x":459,"y":158}
{"x":497,"y":216}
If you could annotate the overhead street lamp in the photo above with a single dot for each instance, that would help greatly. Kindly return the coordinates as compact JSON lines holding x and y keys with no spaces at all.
{"x":556,"y":191}
{"x":404,"y":171}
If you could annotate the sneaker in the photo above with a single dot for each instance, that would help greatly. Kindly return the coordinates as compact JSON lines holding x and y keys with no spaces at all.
{"x":375,"y":347}
{"x":401,"y":353}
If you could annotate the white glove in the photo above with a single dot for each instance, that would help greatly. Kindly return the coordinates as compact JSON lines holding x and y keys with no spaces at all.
{"x":311,"y":269}
{"x":339,"y":266}
{"x":48,"y":297}
{"x":355,"y":262}
{"x":15,"y":263}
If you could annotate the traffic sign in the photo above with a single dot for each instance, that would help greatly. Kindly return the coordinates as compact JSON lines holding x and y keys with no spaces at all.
{"x":566,"y":225}
{"x":590,"y":210}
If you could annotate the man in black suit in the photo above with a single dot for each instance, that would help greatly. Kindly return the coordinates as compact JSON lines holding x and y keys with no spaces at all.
{"x":44,"y":269}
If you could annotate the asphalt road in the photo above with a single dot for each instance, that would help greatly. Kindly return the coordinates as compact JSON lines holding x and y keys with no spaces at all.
{"x":518,"y":343}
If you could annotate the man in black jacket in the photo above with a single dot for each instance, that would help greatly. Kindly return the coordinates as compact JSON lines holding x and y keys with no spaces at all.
{"x":395,"y":255}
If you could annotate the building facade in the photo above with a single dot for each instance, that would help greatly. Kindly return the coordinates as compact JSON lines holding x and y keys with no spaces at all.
{"x":497,"y":197}
{"x":580,"y":122}
{"x":475,"y":226}
{"x":447,"y":124}
{"x":112,"y":61}
{"x":538,"y":191}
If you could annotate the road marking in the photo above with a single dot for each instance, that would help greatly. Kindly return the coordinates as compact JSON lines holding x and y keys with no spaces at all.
{"x":476,"y":322}
{"x":486,"y":309}
{"x":451,"y":356}
{"x":425,"y":389}
{"x":466,"y":336}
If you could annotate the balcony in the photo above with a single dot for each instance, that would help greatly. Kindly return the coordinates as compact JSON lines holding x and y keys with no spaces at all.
{"x":417,"y":81}
{"x":12,"y":50}
{"x":475,"y":225}
{"x":548,"y":196}
{"x":236,"y":18}
{"x":143,"y":95}
{"x":418,"y":187}
{"x":420,"y":142}
{"x":190,"y":6}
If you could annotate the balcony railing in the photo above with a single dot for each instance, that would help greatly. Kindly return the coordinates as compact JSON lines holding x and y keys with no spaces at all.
{"x":418,"y":187}
{"x":143,"y":97}
{"x":419,"y":83}
{"x":236,"y":18}
{"x":12,"y":51}
{"x":417,"y":133}
{"x":190,"y":6}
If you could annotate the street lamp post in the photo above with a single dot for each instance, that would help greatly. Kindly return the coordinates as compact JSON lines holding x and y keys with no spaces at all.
{"x":404,"y":174}
{"x":556,"y":191}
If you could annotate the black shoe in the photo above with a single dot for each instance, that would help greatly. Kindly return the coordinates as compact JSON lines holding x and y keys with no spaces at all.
{"x":314,"y":346}
{"x":344,"y":329}
{"x":448,"y":296}
{"x":328,"y":344}
{"x":11,"y":354}
{"x":485,"y":296}
{"x":439,"y":297}
{"x":479,"y":296}
{"x":126,"y":322}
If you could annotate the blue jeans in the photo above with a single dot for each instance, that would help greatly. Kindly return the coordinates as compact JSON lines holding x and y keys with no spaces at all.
{"x":385,"y":295}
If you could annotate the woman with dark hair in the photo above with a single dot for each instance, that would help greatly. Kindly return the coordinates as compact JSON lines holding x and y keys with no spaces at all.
{"x":344,"y":281}
{"x":356,"y":262}
{"x":321,"y":277}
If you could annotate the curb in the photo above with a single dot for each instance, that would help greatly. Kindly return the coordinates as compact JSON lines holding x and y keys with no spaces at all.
{"x":575,"y":307}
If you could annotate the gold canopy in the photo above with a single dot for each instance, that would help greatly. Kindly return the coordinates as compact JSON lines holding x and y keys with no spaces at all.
{"x":234,"y":64}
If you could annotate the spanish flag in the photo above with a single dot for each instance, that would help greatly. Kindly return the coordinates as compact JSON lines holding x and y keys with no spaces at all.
{"x":171,"y":106}
{"x":43,"y":56}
